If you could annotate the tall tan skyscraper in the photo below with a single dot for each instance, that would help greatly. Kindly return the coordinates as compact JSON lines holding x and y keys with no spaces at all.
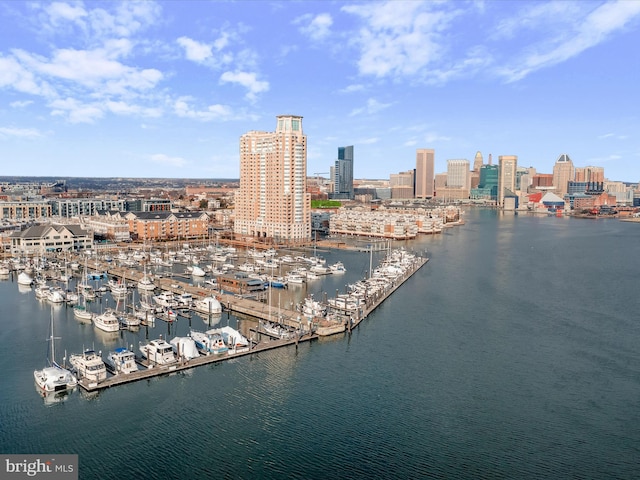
{"x":425,"y":172}
{"x":507,"y":166}
{"x":478,"y":162}
{"x":272,"y":201}
{"x":563,"y":173}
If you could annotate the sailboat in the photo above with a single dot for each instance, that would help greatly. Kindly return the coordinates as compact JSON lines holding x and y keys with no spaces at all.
{"x":54,"y":378}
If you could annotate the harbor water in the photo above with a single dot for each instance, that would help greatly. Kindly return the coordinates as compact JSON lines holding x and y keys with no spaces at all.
{"x":514,"y":353}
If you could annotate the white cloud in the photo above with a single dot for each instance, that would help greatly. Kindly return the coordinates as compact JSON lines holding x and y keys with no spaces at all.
{"x":248,"y":80}
{"x":21,"y":103}
{"x":575,"y":36}
{"x":352,"y":88}
{"x":368,"y":141}
{"x":12,"y":132}
{"x":59,"y":11}
{"x":182,"y":108}
{"x":14,"y":75}
{"x":75,"y":111}
{"x":373,"y":106}
{"x":612,"y":135}
{"x":195,"y":51}
{"x":166,"y":160}
{"x":316,"y":27}
{"x":399,"y":39}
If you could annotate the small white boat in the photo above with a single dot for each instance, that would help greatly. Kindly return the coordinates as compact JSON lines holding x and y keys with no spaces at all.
{"x":89,"y":365}
{"x":107,"y":321}
{"x":166,"y":299}
{"x":122,"y":360}
{"x":295,"y":277}
{"x":185,"y":347}
{"x":185,"y":299}
{"x":158,"y":352}
{"x":209,"y":342}
{"x":209,"y":305}
{"x":337,"y":268}
{"x":24,"y":278}
{"x":56,"y":295}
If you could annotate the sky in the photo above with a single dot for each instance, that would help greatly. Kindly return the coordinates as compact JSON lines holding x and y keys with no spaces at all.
{"x":165,"y":89}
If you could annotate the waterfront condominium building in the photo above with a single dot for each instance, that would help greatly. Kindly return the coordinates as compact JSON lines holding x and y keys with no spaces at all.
{"x":563,"y":173}
{"x":507,"y":167}
{"x":343,"y":174}
{"x":272,"y":201}
{"x":425,"y":172}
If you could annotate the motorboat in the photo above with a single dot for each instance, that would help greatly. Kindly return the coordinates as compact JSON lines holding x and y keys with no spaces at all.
{"x":337,"y":268}
{"x":117,"y":288}
{"x":56,"y":295}
{"x":54,"y":378}
{"x":107,"y":321}
{"x":158,"y":352}
{"x":24,"y":278}
{"x":233,"y":338}
{"x":89,"y":365}
{"x":121,"y":360}
{"x":295,"y":277}
{"x":185,"y":299}
{"x":166,"y":299}
{"x":209,"y":342}
{"x":313,"y":308}
{"x":208,"y":305}
{"x":185,"y":347}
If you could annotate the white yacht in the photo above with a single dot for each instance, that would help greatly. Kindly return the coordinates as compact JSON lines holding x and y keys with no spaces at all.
{"x":158,"y":352}
{"x":117,"y":288}
{"x":337,"y":268}
{"x":122,"y":360}
{"x":89,"y":365}
{"x":209,"y":342}
{"x":208,"y":305}
{"x":107,"y":321}
{"x":166,"y":299}
{"x":196,"y":271}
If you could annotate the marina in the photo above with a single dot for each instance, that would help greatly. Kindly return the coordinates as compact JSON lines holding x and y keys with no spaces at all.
{"x":178,"y":298}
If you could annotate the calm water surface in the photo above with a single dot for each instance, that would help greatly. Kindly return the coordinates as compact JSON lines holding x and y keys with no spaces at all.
{"x":514,"y":353}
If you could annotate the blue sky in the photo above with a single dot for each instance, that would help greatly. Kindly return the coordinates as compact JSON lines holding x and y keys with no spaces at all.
{"x":165,"y":89}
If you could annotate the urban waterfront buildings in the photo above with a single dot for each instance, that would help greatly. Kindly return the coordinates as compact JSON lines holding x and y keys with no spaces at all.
{"x":272,"y":201}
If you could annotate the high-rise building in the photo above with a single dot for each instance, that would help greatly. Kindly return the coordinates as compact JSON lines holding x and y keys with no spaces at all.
{"x":343,"y":174}
{"x":425,"y":172}
{"x":458,"y":174}
{"x":507,"y":166}
{"x":563,"y":173}
{"x":589,"y":174}
{"x":477,"y":162}
{"x":272,"y":201}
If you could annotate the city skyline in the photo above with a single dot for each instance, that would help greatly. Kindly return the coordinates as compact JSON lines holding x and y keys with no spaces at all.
{"x":166,"y":89}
